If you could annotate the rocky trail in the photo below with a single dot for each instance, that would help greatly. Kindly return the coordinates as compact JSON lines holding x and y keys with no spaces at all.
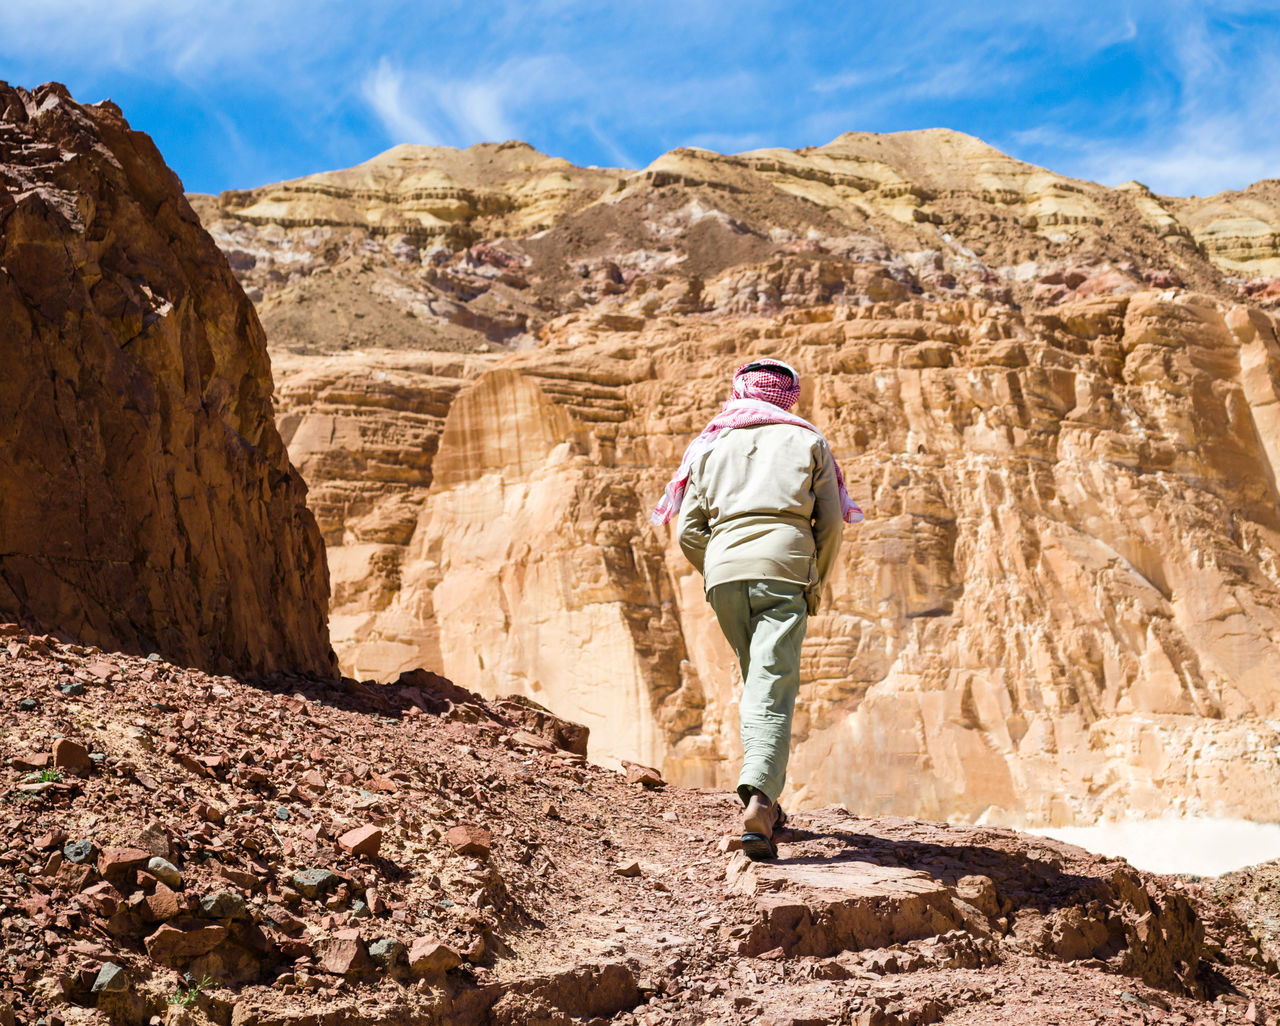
{"x":185,"y":848}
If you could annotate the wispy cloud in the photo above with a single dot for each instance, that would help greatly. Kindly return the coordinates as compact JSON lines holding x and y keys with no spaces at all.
{"x":179,"y":37}
{"x":384,"y":88}
{"x":484,"y":107}
{"x":1176,"y":94}
{"x":1210,"y":125}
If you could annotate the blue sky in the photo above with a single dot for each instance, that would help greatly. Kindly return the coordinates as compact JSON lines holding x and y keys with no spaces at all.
{"x":1184,"y":97}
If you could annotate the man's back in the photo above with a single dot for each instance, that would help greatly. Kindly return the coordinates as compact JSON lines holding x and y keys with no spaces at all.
{"x":763,"y":504}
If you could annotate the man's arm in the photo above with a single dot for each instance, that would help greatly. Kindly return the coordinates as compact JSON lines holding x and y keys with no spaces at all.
{"x":828,"y":519}
{"x":692,"y":528}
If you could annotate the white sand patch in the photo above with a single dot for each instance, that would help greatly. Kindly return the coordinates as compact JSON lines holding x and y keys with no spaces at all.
{"x":1204,"y":847}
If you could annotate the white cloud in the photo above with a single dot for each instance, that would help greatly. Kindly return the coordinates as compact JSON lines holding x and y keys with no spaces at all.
{"x":188,"y":38}
{"x":1202,"y":159}
{"x":1194,"y":89}
{"x":384,"y":89}
{"x":1209,"y":128}
{"x":486,"y":106}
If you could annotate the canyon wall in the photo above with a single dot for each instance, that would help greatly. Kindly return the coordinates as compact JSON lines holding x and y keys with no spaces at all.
{"x":1062,"y":604}
{"x":1055,"y":401}
{"x":147,"y":502}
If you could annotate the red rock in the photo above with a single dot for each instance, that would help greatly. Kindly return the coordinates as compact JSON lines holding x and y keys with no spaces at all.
{"x":53,"y":839}
{"x":209,"y":813}
{"x":215,"y":764}
{"x":102,"y":670}
{"x":365,"y":840}
{"x":35,"y":907}
{"x":646,"y":775}
{"x":429,"y":956}
{"x":30,"y":762}
{"x":386,"y":785}
{"x":313,"y":779}
{"x":523,"y":737}
{"x":189,"y":761}
{"x":71,"y":756}
{"x":295,"y":947}
{"x":469,"y":839}
{"x":251,"y":882}
{"x":163,"y":903}
{"x":116,"y":862}
{"x":163,"y":504}
{"x":345,"y":953}
{"x":184,"y":939}
{"x":103,"y":898}
{"x":563,"y":734}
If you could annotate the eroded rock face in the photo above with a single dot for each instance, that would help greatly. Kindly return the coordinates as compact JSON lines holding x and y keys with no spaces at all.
{"x":1062,"y":603}
{"x":146,"y":499}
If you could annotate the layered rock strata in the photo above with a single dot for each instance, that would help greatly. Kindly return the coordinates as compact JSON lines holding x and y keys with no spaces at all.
{"x":481,"y":248}
{"x":146,"y":499}
{"x":1062,"y":605}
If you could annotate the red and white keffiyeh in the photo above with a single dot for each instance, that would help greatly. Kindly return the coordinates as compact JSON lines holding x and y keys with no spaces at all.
{"x":761,"y":395}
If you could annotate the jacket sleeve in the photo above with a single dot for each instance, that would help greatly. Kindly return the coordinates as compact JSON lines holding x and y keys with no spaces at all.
{"x":692,"y":527}
{"x":828,"y":519}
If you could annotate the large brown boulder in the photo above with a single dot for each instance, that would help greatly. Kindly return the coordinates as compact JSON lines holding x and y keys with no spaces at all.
{"x":146,"y":499}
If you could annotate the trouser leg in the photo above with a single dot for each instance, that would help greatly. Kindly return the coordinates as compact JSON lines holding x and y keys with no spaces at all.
{"x":764,"y":622}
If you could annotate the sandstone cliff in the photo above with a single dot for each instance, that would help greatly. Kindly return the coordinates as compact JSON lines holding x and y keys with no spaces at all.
{"x":1055,"y":401}
{"x":146,"y":499}
{"x":1062,"y":603}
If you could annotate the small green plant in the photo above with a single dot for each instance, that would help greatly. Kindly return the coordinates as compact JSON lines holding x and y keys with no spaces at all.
{"x":186,"y":997}
{"x":50,"y":776}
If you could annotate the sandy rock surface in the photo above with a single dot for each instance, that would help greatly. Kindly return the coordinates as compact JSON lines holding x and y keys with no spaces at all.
{"x":480,"y":248}
{"x":203,"y":871}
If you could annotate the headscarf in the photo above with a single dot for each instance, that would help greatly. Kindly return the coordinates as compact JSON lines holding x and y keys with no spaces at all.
{"x":763,"y":392}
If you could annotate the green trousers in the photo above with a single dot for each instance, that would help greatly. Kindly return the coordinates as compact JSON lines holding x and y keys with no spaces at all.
{"x":764,"y":622}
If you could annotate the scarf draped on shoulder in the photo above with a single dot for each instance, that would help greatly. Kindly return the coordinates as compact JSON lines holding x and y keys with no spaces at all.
{"x":740,"y":413}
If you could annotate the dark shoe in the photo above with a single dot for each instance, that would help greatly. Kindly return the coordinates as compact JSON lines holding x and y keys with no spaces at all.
{"x":759,"y":821}
{"x":758,"y":847}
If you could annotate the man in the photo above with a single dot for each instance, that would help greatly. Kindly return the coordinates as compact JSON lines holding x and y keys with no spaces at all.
{"x":761,"y":501}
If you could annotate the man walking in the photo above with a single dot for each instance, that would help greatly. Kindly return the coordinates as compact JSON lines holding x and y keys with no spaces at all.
{"x":761,"y":501}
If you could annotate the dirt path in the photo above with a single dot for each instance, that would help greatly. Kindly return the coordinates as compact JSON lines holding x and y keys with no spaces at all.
{"x":411,"y":853}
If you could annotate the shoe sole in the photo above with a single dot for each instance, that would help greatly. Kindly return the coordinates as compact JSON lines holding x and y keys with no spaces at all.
{"x":758,"y":848}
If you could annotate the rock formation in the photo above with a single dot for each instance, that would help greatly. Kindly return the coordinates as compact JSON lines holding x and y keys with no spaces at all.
{"x":479,"y":248}
{"x":146,"y":499}
{"x":1055,"y":400}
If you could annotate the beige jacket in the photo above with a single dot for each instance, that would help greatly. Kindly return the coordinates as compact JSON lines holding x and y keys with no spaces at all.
{"x":763,"y":504}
